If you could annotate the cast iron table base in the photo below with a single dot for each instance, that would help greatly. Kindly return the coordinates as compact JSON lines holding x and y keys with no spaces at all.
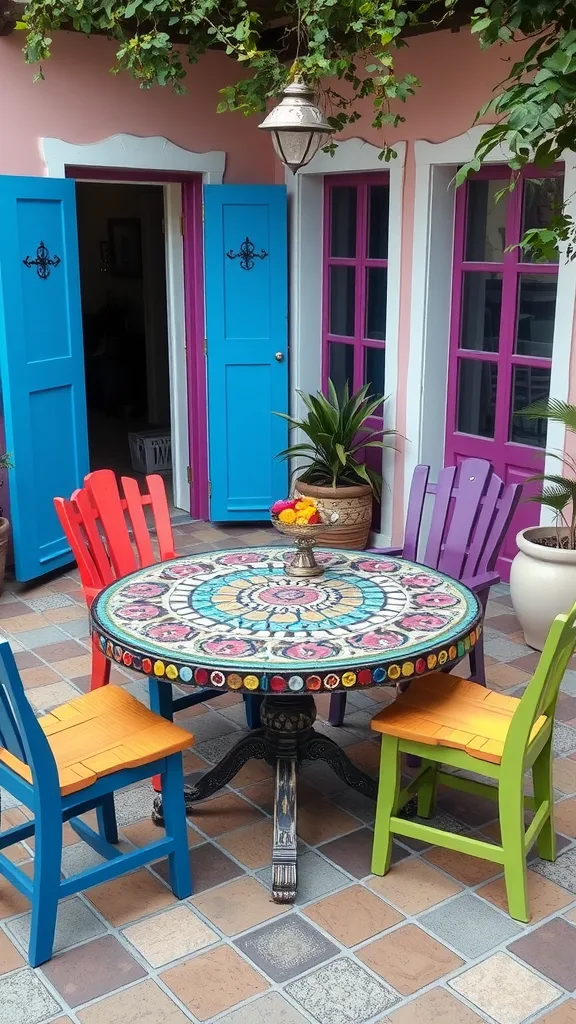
{"x":286,"y":739}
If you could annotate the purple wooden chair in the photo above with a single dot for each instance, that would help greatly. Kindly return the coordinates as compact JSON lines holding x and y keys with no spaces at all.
{"x":471,"y":514}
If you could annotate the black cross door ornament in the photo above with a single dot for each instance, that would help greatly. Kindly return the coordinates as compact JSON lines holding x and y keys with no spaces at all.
{"x":43,"y":261}
{"x":247,"y":254}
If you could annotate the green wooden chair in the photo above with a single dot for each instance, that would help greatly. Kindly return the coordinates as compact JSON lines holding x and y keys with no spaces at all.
{"x":446,"y":720}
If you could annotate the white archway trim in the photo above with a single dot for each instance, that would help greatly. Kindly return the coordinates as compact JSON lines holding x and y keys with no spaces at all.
{"x":305,"y":196}
{"x":134,"y":153}
{"x":433,"y":241}
{"x":155,"y":153}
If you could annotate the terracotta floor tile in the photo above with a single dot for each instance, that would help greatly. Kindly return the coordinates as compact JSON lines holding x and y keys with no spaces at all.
{"x":507,"y":623}
{"x":551,"y":949}
{"x":93,"y":969}
{"x":433,"y":1007}
{"x":413,"y":886}
{"x":25,"y":659}
{"x":11,"y":901}
{"x":565,"y":817}
{"x":209,"y":865}
{"x":353,"y":915}
{"x":224,"y":700}
{"x":365,"y":755}
{"x":545,"y":897}
{"x":213,"y":982}
{"x":11,"y":609}
{"x":39,"y":676}
{"x":564,"y":775}
{"x":253,"y":771}
{"x":504,"y":989}
{"x":20,"y":623}
{"x":61,"y":651}
{"x":469,"y":870}
{"x":322,"y":820}
{"x":252,"y":846}
{"x":128,"y":898}
{"x":564,"y":1014}
{"x":170,"y":935}
{"x":193,"y":763}
{"x":64,"y":586}
{"x":224,"y":814}
{"x":72,"y":667}
{"x":68,"y":614}
{"x":10,"y":958}
{"x":238,"y":905}
{"x":503,"y":677}
{"x":409,"y":959}
{"x":145,"y":1003}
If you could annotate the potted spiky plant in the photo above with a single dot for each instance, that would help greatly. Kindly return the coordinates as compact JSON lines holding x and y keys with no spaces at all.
{"x":338,"y":432}
{"x":543,"y":573}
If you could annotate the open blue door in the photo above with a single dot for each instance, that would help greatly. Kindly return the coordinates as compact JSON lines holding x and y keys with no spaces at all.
{"x":246,"y":280}
{"x":41,"y":363}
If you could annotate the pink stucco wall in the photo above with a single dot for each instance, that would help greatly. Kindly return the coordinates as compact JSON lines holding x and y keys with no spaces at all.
{"x":81,"y":102}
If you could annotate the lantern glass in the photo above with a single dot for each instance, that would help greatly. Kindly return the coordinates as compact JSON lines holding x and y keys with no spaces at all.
{"x":296,"y":149}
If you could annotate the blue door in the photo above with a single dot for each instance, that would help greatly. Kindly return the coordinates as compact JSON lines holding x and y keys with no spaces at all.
{"x":41,"y":363}
{"x":247,"y":347}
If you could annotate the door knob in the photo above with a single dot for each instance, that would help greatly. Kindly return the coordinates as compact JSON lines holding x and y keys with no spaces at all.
{"x":279,"y":357}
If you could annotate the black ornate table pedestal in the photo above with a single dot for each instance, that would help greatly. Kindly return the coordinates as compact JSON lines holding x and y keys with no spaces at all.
{"x":285,"y":741}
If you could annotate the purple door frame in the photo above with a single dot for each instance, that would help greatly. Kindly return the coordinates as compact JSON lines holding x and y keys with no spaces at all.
{"x":193,"y":252}
{"x":514,"y":462}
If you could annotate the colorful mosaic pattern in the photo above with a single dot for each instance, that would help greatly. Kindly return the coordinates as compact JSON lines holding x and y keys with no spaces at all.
{"x":235,"y":620}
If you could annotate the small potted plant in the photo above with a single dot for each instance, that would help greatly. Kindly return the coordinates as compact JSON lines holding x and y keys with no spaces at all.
{"x":543,"y":573}
{"x":5,"y":463}
{"x":338,"y":432}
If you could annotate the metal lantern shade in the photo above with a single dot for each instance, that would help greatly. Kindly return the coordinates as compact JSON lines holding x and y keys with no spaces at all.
{"x":298,"y":127}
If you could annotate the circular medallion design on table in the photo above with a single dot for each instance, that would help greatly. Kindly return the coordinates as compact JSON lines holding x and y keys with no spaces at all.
{"x":235,"y":619}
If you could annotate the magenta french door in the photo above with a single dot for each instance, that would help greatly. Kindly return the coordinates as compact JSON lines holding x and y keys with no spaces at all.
{"x":502,"y":325}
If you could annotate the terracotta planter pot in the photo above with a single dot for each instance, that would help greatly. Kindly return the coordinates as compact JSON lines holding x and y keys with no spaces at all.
{"x":542,"y":583}
{"x":354,"y":508}
{"x":4,"y":538}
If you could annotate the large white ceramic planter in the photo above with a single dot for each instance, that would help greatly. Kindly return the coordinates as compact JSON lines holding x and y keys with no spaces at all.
{"x":542,"y":583}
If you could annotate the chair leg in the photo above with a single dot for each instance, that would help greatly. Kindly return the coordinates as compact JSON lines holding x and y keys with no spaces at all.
{"x":477,"y":663}
{"x":106,"y":815}
{"x":252,"y":705}
{"x":337,"y":708}
{"x":511,"y":815}
{"x":161,"y":703}
{"x":388,"y":792}
{"x":427,"y":791}
{"x":47,"y":862}
{"x":542,"y":780}
{"x":101,"y":666}
{"x":174,"y":811}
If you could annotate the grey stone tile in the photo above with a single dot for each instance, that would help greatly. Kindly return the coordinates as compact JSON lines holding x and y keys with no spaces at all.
{"x":212,"y":750}
{"x":44,"y":604}
{"x":211,"y":726}
{"x":270,"y":1009}
{"x":32,"y":638}
{"x":286,"y":948}
{"x":133,"y":804}
{"x":75,"y":923}
{"x":7,"y":800}
{"x":320,"y":774}
{"x":497,"y":646}
{"x":355,"y":803}
{"x":24,"y":999}
{"x":564,"y":739}
{"x":315,"y":878}
{"x":139,"y":689}
{"x":342,"y":993}
{"x":568,"y":684}
{"x":357,"y":699}
{"x":79,"y":857}
{"x":342,"y":736}
{"x":470,"y":925}
{"x":562,"y":871}
{"x":235,"y":713}
{"x":78,"y":628}
{"x":358,"y":723}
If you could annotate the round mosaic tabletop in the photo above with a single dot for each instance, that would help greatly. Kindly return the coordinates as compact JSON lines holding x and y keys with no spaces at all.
{"x":234,"y":619}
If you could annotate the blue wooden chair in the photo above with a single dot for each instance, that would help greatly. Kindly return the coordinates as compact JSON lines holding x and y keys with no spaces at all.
{"x":71,"y":761}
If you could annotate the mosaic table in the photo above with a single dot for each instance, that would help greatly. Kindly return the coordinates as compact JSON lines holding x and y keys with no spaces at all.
{"x":234,"y":620}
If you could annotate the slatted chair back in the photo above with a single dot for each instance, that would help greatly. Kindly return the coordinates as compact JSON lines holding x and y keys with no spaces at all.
{"x":20,"y":733}
{"x":541,"y":694}
{"x":98,"y":523}
{"x":472,"y":510}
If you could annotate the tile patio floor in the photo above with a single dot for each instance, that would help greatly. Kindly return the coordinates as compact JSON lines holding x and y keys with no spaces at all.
{"x":431,"y":941}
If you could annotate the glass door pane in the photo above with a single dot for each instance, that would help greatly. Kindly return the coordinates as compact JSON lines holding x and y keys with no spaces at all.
{"x":343,"y":221}
{"x":342,"y":300}
{"x":485,"y":222}
{"x":481,"y":310}
{"x":341,"y":365}
{"x":476,"y":401}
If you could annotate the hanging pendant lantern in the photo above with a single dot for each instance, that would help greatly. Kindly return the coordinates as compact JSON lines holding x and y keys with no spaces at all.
{"x":297,"y":125}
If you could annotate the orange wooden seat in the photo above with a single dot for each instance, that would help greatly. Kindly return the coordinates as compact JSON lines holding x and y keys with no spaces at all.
{"x":102,"y":732}
{"x":447,"y":711}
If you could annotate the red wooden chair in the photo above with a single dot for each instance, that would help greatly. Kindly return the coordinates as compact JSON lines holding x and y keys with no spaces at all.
{"x":472,"y":510}
{"x":98,"y":522}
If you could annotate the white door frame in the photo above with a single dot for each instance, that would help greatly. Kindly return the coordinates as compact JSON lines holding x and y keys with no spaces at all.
{"x":154,"y":153}
{"x":432,"y":263}
{"x":306,"y":206}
